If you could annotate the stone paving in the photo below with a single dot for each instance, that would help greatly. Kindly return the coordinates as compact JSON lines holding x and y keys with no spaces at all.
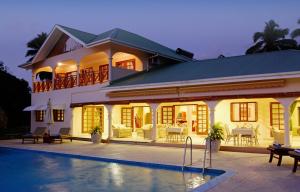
{"x":252,"y":172}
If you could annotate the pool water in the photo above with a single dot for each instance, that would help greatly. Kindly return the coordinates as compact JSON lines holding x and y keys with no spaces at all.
{"x":23,"y":170}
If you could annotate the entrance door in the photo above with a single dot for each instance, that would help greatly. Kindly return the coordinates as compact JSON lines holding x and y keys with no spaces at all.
{"x":202,"y":122}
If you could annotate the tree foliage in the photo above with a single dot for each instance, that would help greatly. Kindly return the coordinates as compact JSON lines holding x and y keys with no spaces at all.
{"x":14,"y":97}
{"x":35,"y":44}
{"x":296,"y":32}
{"x":272,"y":38}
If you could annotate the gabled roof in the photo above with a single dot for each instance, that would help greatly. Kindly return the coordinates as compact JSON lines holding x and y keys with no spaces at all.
{"x":83,"y":36}
{"x":137,"y":41}
{"x":116,"y":35}
{"x":246,"y":65}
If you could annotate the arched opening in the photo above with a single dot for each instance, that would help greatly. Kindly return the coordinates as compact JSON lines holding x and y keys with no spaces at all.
{"x":250,"y":122}
{"x":93,"y":69}
{"x":177,"y":120}
{"x":132,"y":122}
{"x":65,"y":74}
{"x":42,"y":79}
{"x":127,"y":61}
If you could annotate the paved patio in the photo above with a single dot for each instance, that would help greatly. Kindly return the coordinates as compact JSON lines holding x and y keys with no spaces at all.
{"x":252,"y":171}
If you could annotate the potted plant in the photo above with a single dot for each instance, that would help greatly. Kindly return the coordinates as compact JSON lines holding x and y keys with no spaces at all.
{"x":214,"y":137}
{"x":96,"y":134}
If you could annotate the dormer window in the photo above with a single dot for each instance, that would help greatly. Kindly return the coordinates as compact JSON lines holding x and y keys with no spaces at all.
{"x":126,"y":64}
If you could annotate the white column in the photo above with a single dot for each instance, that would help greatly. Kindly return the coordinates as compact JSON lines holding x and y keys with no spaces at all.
{"x":110,"y":63}
{"x":286,"y":102}
{"x":211,"y":105}
{"x":154,"y":107}
{"x":78,"y":74}
{"x":53,"y":78}
{"x":109,"y":120}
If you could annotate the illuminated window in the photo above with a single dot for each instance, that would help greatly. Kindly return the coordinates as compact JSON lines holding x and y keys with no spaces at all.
{"x":127,"y":116}
{"x":244,"y":112}
{"x":127,"y":64}
{"x":276,"y":115}
{"x":167,"y":116}
{"x":58,"y":115}
{"x":92,"y":116}
{"x":39,"y":115}
{"x":202,"y":120}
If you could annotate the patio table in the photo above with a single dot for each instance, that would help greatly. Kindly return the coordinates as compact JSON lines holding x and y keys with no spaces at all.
{"x":237,"y":132}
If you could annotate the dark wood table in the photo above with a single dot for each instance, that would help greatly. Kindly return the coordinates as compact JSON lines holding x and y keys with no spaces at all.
{"x":296,"y":157}
{"x":280,"y":152}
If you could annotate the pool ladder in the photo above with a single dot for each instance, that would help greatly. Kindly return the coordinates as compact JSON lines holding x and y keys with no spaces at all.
{"x":207,"y":151}
{"x":191,"y":151}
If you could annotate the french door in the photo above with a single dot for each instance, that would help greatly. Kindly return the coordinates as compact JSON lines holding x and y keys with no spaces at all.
{"x":202,"y":119}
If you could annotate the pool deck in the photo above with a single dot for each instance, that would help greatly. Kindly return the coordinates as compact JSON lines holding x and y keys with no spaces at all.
{"x":252,"y":172}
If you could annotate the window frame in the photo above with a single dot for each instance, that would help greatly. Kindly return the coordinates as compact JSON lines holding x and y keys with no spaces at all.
{"x":58,"y":115}
{"x":123,"y":119}
{"x":202,"y":119}
{"x":39,"y":115}
{"x":124,"y":64}
{"x":101,"y":123}
{"x":240,"y":117}
{"x":168,"y":111}
{"x":281,"y":124}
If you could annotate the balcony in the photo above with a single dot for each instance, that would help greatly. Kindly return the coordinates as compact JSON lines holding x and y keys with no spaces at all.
{"x":42,"y":86}
{"x":69,"y":79}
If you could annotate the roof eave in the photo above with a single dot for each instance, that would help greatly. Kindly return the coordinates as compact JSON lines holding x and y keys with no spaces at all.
{"x":25,"y":65}
{"x":242,"y":78}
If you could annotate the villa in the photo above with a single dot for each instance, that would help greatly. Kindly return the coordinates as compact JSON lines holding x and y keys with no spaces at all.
{"x":139,"y":90}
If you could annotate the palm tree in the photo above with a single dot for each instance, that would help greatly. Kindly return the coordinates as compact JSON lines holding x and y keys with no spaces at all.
{"x":35,"y":44}
{"x":271,"y":39}
{"x":296,"y":32}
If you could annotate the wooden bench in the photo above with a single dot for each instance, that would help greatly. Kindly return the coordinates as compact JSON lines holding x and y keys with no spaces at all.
{"x":280,"y":152}
{"x":296,"y":157}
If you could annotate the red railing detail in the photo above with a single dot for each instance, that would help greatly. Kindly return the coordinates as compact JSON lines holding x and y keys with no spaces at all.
{"x":69,"y":80}
{"x":42,"y":86}
{"x":65,"y":80}
{"x":90,"y":77}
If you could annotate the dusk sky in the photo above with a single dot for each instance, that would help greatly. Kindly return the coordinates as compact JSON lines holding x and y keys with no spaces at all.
{"x":207,"y":28}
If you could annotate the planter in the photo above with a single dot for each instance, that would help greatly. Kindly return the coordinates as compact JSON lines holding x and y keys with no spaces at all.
{"x":96,"y":138}
{"x":215,"y":145}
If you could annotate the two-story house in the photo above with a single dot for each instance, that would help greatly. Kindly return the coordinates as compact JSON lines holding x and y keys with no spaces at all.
{"x":139,"y":90}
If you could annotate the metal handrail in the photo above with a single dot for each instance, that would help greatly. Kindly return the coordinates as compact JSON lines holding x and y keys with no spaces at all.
{"x":191,"y":150}
{"x":205,"y":152}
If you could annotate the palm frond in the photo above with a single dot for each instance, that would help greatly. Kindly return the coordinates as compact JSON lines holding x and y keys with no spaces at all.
{"x":255,"y":48}
{"x":257,"y":36}
{"x":35,"y":44}
{"x":31,"y":52}
{"x":295,"y":33}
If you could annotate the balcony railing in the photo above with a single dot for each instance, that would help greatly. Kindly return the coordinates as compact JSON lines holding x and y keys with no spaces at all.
{"x":69,"y":80}
{"x":90,"y":77}
{"x":42,"y":86}
{"x":65,"y":80}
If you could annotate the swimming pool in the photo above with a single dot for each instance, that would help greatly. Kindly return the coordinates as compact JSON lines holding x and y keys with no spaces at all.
{"x":25,"y":170}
